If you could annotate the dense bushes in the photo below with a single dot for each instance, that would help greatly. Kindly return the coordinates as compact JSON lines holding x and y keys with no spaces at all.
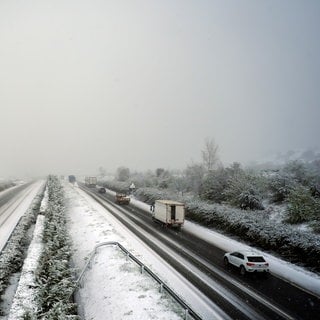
{"x":260,"y":231}
{"x":234,"y":186}
{"x":279,"y":187}
{"x":150,"y":195}
{"x":117,"y":186}
{"x":302,"y":206}
{"x":54,"y":275}
{"x":12,"y":256}
{"x":254,"y":227}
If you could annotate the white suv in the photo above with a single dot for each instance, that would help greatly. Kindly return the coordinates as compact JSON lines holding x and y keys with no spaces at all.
{"x":247,"y":261}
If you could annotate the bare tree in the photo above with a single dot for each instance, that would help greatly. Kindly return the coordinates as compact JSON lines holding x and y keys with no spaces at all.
{"x":102,"y":172}
{"x":210,"y":154}
{"x":194,"y":175}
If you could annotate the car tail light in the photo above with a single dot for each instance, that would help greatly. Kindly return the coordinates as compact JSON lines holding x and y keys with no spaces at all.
{"x":250,"y":264}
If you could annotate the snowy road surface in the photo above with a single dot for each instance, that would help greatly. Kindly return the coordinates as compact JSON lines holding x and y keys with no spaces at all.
{"x":12,"y":210}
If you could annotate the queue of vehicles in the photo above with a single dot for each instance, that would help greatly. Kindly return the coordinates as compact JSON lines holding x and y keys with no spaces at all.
{"x":171,"y":213}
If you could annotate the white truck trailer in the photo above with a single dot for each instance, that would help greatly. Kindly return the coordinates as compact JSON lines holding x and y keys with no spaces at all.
{"x":169,"y":213}
{"x":90,"y":182}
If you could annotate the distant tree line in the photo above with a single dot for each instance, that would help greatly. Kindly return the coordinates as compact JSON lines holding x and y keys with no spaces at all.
{"x":295,"y":185}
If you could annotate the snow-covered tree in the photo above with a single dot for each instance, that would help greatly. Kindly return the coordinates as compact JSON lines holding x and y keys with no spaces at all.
{"x":302,"y":206}
{"x":194,"y":174}
{"x":213,"y":185}
{"x":280,"y":186}
{"x":160,"y":172}
{"x":123,"y":174}
{"x":244,"y":191}
{"x":210,"y":154}
{"x":102,"y":172}
{"x":298,"y":170}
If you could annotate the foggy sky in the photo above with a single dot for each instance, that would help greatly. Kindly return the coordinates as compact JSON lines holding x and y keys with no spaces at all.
{"x":143,"y":83}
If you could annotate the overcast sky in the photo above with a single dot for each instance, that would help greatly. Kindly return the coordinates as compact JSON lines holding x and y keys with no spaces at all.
{"x":143,"y":83}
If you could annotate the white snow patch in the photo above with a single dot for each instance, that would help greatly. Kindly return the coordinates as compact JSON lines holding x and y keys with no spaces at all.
{"x":44,"y":202}
{"x":25,"y":294}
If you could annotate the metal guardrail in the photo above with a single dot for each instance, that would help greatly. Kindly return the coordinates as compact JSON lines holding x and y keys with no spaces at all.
{"x":143,"y":268}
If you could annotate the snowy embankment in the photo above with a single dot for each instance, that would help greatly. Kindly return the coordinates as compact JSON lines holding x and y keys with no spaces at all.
{"x":24,"y":299}
{"x":46,"y":282}
{"x":12,"y":256}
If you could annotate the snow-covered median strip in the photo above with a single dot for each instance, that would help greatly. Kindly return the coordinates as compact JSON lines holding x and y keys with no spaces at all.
{"x":24,"y":299}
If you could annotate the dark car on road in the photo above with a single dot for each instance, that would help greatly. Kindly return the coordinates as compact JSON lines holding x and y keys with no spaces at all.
{"x":102,"y":190}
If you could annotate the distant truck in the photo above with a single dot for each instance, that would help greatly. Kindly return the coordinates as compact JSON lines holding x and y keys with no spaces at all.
{"x":90,"y":182}
{"x":122,"y":198}
{"x":72,"y":179}
{"x":169,"y":213}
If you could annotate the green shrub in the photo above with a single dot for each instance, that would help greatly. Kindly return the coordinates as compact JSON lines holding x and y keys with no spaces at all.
{"x":302,"y":206}
{"x":244,"y":192}
{"x":280,"y":187}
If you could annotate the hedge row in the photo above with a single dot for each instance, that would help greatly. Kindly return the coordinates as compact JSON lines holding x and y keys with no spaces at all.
{"x":117,"y":186}
{"x":253,"y":227}
{"x":54,"y":275}
{"x":12,"y":256}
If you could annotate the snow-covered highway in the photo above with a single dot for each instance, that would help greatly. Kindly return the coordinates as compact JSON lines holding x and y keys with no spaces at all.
{"x":14,"y":203}
{"x":251,"y":298}
{"x":190,"y":265}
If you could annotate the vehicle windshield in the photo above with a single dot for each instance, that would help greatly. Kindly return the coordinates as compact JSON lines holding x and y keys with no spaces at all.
{"x":256,"y":259}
